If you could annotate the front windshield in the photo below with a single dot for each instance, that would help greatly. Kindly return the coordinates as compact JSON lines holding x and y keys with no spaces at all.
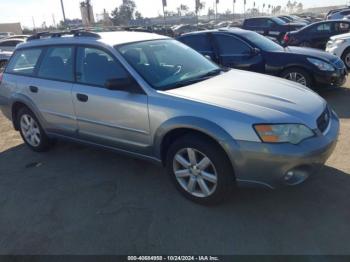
{"x":167,"y":64}
{"x":263,"y":42}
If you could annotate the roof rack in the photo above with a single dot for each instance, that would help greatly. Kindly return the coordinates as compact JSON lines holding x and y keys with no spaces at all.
{"x":74,"y":33}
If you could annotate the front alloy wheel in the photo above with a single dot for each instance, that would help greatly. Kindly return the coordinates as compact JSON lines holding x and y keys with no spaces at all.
{"x":296,"y":77}
{"x":200,"y":169}
{"x":195,"y":172}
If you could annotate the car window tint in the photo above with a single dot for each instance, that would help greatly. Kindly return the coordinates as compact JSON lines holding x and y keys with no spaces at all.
{"x":57,"y":64}
{"x":24,"y":61}
{"x":229,"y":45}
{"x":10,"y":43}
{"x":95,"y":67}
{"x":198,"y":42}
{"x":323,"y":28}
{"x":252,"y":22}
{"x":342,"y":27}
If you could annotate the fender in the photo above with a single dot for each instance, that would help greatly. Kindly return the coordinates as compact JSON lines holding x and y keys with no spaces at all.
{"x":227,"y":142}
{"x":17,"y":97}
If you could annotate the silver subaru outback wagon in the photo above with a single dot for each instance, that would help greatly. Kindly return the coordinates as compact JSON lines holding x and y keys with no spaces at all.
{"x":155,"y":98}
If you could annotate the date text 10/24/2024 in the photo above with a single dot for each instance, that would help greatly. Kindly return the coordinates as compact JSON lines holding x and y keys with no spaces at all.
{"x":173,"y":258}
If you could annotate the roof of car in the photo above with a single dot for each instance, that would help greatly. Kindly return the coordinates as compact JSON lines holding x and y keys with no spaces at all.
{"x":223,"y":30}
{"x":108,"y":38}
{"x":12,"y":39}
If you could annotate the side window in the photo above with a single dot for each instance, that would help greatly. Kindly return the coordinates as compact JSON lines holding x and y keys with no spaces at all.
{"x":24,"y":61}
{"x":10,"y":43}
{"x":322,"y":28}
{"x":341,"y":27}
{"x":95,"y":67}
{"x":57,"y":64}
{"x":269,"y":23}
{"x":199,"y":42}
{"x":229,"y":45}
{"x":252,"y":22}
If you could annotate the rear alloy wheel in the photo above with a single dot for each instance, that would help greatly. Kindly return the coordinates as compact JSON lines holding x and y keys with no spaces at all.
{"x":297,"y":75}
{"x":200,"y":169}
{"x":346,"y":58}
{"x":31,"y":131}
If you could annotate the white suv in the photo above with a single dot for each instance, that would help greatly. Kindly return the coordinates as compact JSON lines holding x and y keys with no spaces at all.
{"x":339,"y":45}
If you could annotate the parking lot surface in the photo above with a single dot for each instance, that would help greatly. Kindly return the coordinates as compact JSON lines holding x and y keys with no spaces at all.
{"x":81,"y":200}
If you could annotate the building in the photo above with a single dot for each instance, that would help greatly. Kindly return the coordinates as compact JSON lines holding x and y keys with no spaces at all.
{"x":14,"y":28}
{"x":87,"y":13}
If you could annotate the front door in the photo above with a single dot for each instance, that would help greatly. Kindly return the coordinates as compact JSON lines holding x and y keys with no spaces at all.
{"x":110,"y":117}
{"x":235,"y":53}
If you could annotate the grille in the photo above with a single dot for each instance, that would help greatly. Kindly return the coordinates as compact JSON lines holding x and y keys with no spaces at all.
{"x":323,"y":120}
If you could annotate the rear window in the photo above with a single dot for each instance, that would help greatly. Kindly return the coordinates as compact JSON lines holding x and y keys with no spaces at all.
{"x":24,"y":61}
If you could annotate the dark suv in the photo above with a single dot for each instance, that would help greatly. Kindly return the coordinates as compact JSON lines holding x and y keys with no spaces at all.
{"x":317,"y":35}
{"x":273,"y":27}
{"x":246,"y":50}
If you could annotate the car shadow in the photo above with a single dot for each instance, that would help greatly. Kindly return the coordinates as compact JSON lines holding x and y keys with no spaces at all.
{"x":339,"y":99}
{"x":81,"y":200}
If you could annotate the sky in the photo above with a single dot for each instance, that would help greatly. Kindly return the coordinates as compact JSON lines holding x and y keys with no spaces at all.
{"x":25,"y":11}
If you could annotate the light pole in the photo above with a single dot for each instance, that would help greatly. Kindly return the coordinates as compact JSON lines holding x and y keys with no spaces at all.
{"x":64,"y":15}
{"x":233,"y":9}
{"x":164,"y":2}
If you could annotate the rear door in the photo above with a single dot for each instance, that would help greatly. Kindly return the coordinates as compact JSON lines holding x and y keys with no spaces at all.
{"x":320,"y":34}
{"x":109,"y":117}
{"x":45,"y":76}
{"x":235,"y":53}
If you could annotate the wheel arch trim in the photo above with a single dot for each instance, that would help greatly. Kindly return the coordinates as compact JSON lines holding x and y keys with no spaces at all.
{"x":217,"y":133}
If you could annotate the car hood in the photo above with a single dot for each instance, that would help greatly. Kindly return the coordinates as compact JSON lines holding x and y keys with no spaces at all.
{"x":342,"y":36}
{"x":310,"y":52}
{"x":267,"y":99}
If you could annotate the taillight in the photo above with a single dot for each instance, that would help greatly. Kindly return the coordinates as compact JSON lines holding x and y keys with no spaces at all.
{"x":286,"y":38}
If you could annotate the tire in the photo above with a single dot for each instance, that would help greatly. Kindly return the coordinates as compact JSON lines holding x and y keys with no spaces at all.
{"x":298,"y":75}
{"x":35,"y":137}
{"x":346,"y":57}
{"x":217,"y":173}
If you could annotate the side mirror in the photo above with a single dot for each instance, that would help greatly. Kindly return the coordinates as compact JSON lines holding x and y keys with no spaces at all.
{"x":255,"y":51}
{"x":127,"y":84}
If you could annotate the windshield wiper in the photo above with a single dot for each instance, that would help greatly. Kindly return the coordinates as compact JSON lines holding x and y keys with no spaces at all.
{"x":195,"y":80}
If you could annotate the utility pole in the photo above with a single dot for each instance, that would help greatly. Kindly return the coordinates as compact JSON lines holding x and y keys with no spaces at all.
{"x":53,"y":20}
{"x":233,"y":9}
{"x":216,"y":9}
{"x":164,"y":5}
{"x":64,"y":14}
{"x":33,"y":23}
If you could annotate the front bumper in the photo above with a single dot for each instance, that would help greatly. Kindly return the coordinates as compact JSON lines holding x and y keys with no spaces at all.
{"x":328,"y":79}
{"x":275,"y":165}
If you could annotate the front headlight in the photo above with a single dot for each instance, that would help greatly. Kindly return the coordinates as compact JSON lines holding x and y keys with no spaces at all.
{"x":283,"y":133}
{"x":323,"y":66}
{"x":339,"y":41}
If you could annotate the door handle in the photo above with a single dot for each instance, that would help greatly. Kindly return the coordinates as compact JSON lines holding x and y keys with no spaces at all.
{"x":33,"y":89}
{"x":82,"y":98}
